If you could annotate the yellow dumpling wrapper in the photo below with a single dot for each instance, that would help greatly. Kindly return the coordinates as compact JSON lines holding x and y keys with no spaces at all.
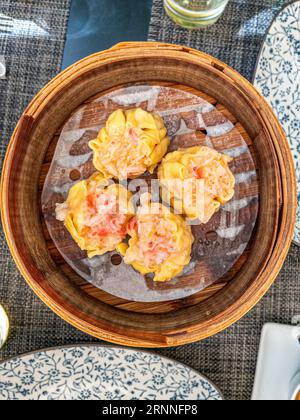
{"x":196,"y":181}
{"x":131,"y":143}
{"x":96,"y":214}
{"x":161,"y":242}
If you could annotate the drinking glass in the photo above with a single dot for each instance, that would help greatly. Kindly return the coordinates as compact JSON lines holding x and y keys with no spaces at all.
{"x":195,"y":14}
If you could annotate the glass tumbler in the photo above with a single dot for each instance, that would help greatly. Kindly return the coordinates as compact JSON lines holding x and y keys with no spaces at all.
{"x":195,"y":14}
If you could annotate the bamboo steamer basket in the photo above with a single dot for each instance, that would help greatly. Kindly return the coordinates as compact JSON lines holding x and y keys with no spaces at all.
{"x":91,"y":310}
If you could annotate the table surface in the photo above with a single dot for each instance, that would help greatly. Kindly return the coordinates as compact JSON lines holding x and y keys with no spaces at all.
{"x":32,"y":38}
{"x":95,"y":25}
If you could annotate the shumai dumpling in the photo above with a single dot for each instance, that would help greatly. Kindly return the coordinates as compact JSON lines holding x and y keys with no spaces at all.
{"x":161,"y":242}
{"x":131,"y":143}
{"x":196,"y":181}
{"x":96,"y":214}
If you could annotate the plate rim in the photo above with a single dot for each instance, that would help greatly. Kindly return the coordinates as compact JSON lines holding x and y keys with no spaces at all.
{"x":255,"y":71}
{"x":109,"y":346}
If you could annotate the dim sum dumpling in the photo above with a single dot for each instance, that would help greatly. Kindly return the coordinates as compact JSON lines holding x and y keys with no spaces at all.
{"x":161,"y":242}
{"x":131,"y":143}
{"x":96,"y":214}
{"x":197,"y":181}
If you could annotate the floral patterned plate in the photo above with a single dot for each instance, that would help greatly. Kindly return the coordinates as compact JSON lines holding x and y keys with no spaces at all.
{"x":278,"y":78}
{"x":101,"y":373}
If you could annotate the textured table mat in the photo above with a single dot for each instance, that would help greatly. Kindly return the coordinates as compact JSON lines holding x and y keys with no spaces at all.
{"x":33,"y":55}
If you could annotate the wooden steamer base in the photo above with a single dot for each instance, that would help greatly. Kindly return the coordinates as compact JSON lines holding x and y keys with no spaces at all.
{"x":80,"y":303}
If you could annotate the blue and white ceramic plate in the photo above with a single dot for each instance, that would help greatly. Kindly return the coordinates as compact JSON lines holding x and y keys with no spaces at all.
{"x":101,"y":373}
{"x":278,"y":78}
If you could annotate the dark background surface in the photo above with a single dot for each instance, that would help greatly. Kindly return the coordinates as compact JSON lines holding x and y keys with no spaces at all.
{"x":96,"y":25}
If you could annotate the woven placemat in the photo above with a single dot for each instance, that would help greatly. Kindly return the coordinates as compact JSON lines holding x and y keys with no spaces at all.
{"x":229,"y":358}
